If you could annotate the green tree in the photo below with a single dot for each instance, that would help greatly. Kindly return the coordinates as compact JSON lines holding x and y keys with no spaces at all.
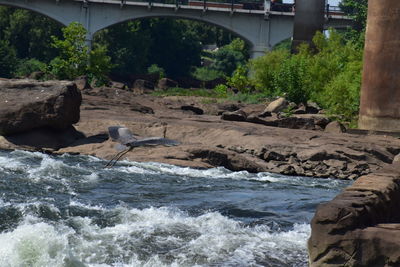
{"x":231,"y":56}
{"x":75,"y":59}
{"x":8,"y":60}
{"x":29,"y":33}
{"x":74,"y":53}
{"x":357,"y":9}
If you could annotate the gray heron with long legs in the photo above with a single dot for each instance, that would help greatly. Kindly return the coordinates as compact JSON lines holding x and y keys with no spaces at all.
{"x":127,"y":142}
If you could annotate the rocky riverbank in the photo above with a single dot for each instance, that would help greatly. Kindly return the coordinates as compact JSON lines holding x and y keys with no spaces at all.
{"x":229,"y":134}
{"x":361,"y":226}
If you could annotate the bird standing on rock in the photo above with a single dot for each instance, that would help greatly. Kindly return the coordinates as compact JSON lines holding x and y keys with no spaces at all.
{"x":127,"y":142}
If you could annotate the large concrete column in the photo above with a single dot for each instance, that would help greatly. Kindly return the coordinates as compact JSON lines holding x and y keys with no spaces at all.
{"x":309,"y":18}
{"x":380,"y":93}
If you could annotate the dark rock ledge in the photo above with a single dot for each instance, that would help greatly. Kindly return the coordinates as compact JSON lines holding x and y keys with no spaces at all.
{"x":361,"y":226}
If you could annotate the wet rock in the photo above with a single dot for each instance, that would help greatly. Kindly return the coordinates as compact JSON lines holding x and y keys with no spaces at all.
{"x":277,"y":105}
{"x":166,"y":83}
{"x":195,"y":110}
{"x":335,"y":127}
{"x":29,"y":104}
{"x":229,"y":160}
{"x":238,"y":115}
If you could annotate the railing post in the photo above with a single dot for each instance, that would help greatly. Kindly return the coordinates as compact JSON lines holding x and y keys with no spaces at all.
{"x":267,"y":6}
{"x":327,"y":10}
{"x":204,"y":5}
{"x":232,"y":2}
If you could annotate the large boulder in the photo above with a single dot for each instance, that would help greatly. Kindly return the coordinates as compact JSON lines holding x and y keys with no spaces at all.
{"x":29,"y":104}
{"x":361,"y":226}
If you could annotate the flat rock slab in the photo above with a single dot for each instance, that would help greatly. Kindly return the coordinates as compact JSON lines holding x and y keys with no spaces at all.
{"x":209,"y":141}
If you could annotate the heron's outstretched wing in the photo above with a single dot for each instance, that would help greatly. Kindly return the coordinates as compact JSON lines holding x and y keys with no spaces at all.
{"x":121,"y":134}
{"x":153,"y":141}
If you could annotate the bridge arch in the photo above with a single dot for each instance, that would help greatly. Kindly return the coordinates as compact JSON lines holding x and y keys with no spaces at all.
{"x":178,"y":17}
{"x":260,"y":32}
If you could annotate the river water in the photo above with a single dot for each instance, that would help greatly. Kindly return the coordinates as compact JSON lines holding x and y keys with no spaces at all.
{"x":70,"y":211}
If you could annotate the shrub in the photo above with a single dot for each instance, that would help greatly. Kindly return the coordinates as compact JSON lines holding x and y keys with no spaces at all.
{"x":331,"y":76}
{"x":342,"y":95}
{"x":155,"y":69}
{"x":27,"y":66}
{"x":240,"y":81}
{"x":221,"y":90}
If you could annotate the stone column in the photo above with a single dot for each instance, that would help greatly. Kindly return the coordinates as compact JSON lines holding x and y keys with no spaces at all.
{"x":258,"y":51}
{"x":309,"y":18}
{"x":380,"y":92}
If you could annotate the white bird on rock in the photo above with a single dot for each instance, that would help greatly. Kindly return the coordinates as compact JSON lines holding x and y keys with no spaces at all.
{"x":127,"y":142}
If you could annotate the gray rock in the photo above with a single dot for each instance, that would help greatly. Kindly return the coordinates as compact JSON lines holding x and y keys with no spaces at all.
{"x":396,"y":159}
{"x":335,"y":127}
{"x":277,"y":105}
{"x":117,"y":85}
{"x":314,"y":154}
{"x":29,"y":104}
{"x":165,"y":84}
{"x":142,"y":86}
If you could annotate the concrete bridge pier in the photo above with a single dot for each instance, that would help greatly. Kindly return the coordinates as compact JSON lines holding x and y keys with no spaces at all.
{"x":380,"y":92}
{"x":309,"y":18}
{"x":85,"y":21}
{"x":259,"y":50}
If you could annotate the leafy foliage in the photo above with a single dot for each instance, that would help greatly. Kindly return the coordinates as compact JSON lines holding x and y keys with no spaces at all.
{"x":331,"y":77}
{"x":27,"y":66}
{"x":74,"y":53}
{"x":8,"y":59}
{"x":230,"y":56}
{"x":28,"y":33}
{"x":76,"y":60}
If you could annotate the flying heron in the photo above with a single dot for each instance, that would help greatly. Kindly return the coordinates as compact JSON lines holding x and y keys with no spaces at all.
{"x":127,"y":142}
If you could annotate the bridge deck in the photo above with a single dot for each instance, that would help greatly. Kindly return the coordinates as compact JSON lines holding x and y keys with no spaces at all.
{"x":229,"y":9}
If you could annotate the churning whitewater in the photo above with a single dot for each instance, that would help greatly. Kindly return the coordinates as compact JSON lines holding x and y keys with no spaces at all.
{"x":70,"y":211}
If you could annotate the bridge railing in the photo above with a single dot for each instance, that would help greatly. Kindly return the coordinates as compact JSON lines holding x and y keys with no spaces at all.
{"x":261,"y":5}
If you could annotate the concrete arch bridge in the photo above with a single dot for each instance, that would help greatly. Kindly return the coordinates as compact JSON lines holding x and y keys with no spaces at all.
{"x":261,"y":28}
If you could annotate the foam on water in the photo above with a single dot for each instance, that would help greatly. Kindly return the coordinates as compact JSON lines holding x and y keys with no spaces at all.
{"x":150,"y":237}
